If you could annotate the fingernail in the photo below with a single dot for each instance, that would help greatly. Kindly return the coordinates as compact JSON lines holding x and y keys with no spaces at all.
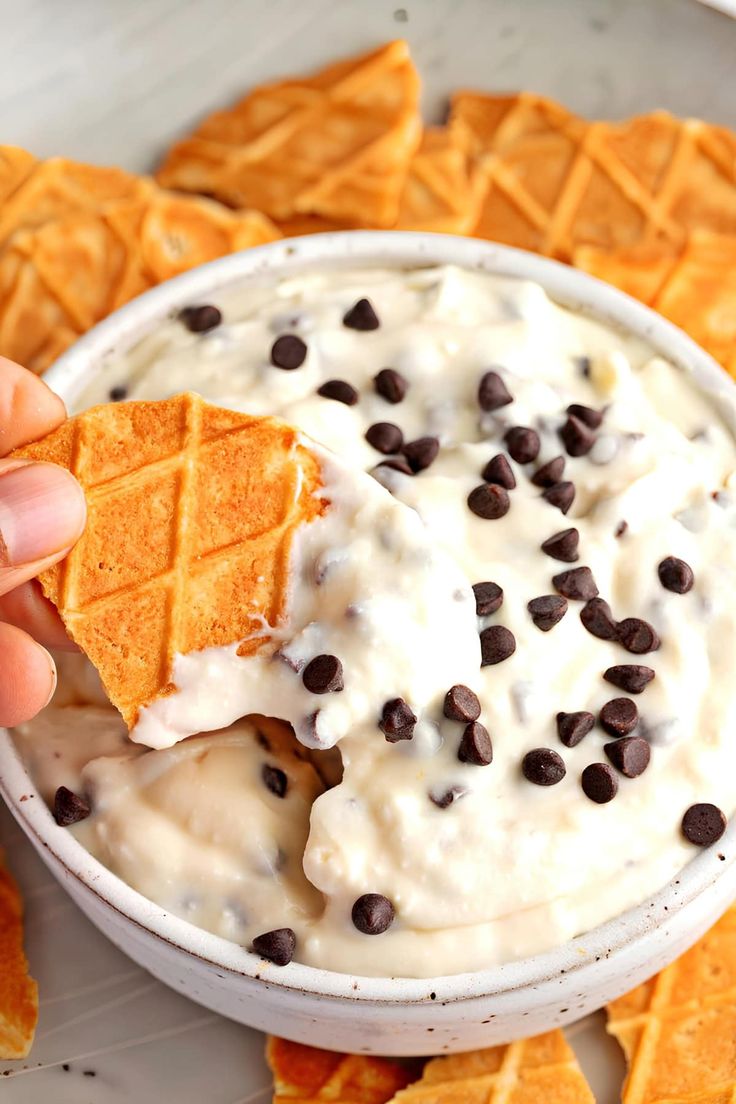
{"x":42,"y":511}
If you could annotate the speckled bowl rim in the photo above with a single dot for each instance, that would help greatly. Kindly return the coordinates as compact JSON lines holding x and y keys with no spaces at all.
{"x":706,"y":872}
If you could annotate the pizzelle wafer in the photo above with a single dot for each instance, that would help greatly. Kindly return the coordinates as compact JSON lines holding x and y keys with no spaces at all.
{"x":552,"y":181}
{"x":309,"y":1074}
{"x":18,"y":992}
{"x":191,"y":513}
{"x":542,"y":1069}
{"x":694,"y":286}
{"x":678,"y":1031}
{"x":336,"y":144}
{"x":80,"y":241}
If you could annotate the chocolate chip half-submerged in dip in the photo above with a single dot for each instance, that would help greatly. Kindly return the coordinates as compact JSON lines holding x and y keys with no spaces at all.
{"x":559,"y":465}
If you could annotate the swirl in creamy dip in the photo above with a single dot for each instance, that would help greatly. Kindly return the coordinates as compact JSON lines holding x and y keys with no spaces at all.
{"x":482,"y":862}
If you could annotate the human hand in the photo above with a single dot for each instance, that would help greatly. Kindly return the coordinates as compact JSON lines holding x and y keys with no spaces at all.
{"x":42,"y":514}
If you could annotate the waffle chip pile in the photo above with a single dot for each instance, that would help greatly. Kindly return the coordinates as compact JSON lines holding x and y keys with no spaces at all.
{"x":77,"y":241}
{"x":336,"y":144}
{"x":694,"y":286}
{"x":190,"y":514}
{"x":18,"y":992}
{"x":543,"y":1069}
{"x":678,"y":1031}
{"x":304,"y":1073}
{"x":552,"y":181}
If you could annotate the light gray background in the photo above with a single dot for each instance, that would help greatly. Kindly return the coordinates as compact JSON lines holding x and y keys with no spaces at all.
{"x":114,"y":81}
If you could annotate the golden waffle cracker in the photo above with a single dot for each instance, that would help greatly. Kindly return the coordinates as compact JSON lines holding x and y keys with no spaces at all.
{"x":439,"y":194}
{"x":678,"y":1030}
{"x":552,"y":182}
{"x":83,"y":240}
{"x":18,"y":992}
{"x":542,"y":1069}
{"x":191,"y":512}
{"x":336,"y":144}
{"x":304,"y":1073}
{"x":694,"y":286}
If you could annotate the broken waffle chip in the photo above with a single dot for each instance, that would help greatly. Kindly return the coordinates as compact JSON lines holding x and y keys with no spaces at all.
{"x":190,"y":515}
{"x":542,"y":1069}
{"x":678,"y":1030}
{"x":693,"y":286}
{"x":18,"y":992}
{"x":551,"y":181}
{"x":336,"y":144}
{"x":81,"y":240}
{"x":308,"y":1074}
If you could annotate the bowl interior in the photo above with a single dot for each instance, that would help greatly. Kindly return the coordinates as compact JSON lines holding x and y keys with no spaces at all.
{"x":367,"y":249}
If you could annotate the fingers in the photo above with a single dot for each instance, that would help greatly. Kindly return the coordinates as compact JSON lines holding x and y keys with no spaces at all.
{"x":28,"y":408}
{"x":42,"y":514}
{"x":28,"y":676}
{"x":27,"y":608}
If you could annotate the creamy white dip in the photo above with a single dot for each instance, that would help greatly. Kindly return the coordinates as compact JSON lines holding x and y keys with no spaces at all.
{"x":509,"y":867}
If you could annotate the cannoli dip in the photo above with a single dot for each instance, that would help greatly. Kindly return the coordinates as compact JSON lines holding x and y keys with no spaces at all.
{"x":577,"y":754}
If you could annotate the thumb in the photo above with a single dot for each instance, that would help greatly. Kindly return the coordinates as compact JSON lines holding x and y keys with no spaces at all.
{"x":42,"y":514}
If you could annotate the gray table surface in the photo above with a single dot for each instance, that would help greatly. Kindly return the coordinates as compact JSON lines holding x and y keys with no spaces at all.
{"x":114,"y":81}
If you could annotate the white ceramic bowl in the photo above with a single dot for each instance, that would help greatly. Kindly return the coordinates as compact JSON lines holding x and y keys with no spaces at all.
{"x":339,"y":1011}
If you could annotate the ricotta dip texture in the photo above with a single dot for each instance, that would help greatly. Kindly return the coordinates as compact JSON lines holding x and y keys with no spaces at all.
{"x":482,"y":861}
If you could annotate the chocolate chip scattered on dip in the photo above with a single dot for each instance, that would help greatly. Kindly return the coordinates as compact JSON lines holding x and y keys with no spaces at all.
{"x":583,"y":489}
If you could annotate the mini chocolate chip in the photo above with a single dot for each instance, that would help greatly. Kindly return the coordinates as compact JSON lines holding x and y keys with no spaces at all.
{"x":69,"y":807}
{"x":577,"y":583}
{"x":492,"y":392}
{"x":288,"y":352}
{"x":275,"y":779}
{"x":631,"y":677}
{"x":340,"y":391}
{"x":676,"y":575}
{"x":585,"y":414}
{"x":522,"y":443}
{"x":447,"y":797}
{"x":277,"y":946}
{"x":489,"y":501}
{"x":598,"y":619}
{"x":421,"y":453}
{"x":563,"y":546}
{"x":619,"y":716}
{"x":397,"y":721}
{"x":496,"y":644}
{"x":576,"y":437}
{"x":488,"y":598}
{"x":573,"y":727}
{"x":396,"y":463}
{"x":547,"y":610}
{"x":385,"y":437}
{"x":621,"y":528}
{"x":475,"y":746}
{"x":637,"y":636}
{"x":373,"y":914}
{"x":117,"y":394}
{"x":361,"y":316}
{"x":584,"y":365}
{"x":703,"y":824}
{"x":461,"y":704}
{"x":391,"y":385}
{"x":200,"y":319}
{"x":560,"y":495}
{"x":323,"y":675}
{"x":543,"y":767}
{"x":549,"y":473}
{"x":630,"y":755}
{"x":599,"y":783}
{"x":498,"y":470}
